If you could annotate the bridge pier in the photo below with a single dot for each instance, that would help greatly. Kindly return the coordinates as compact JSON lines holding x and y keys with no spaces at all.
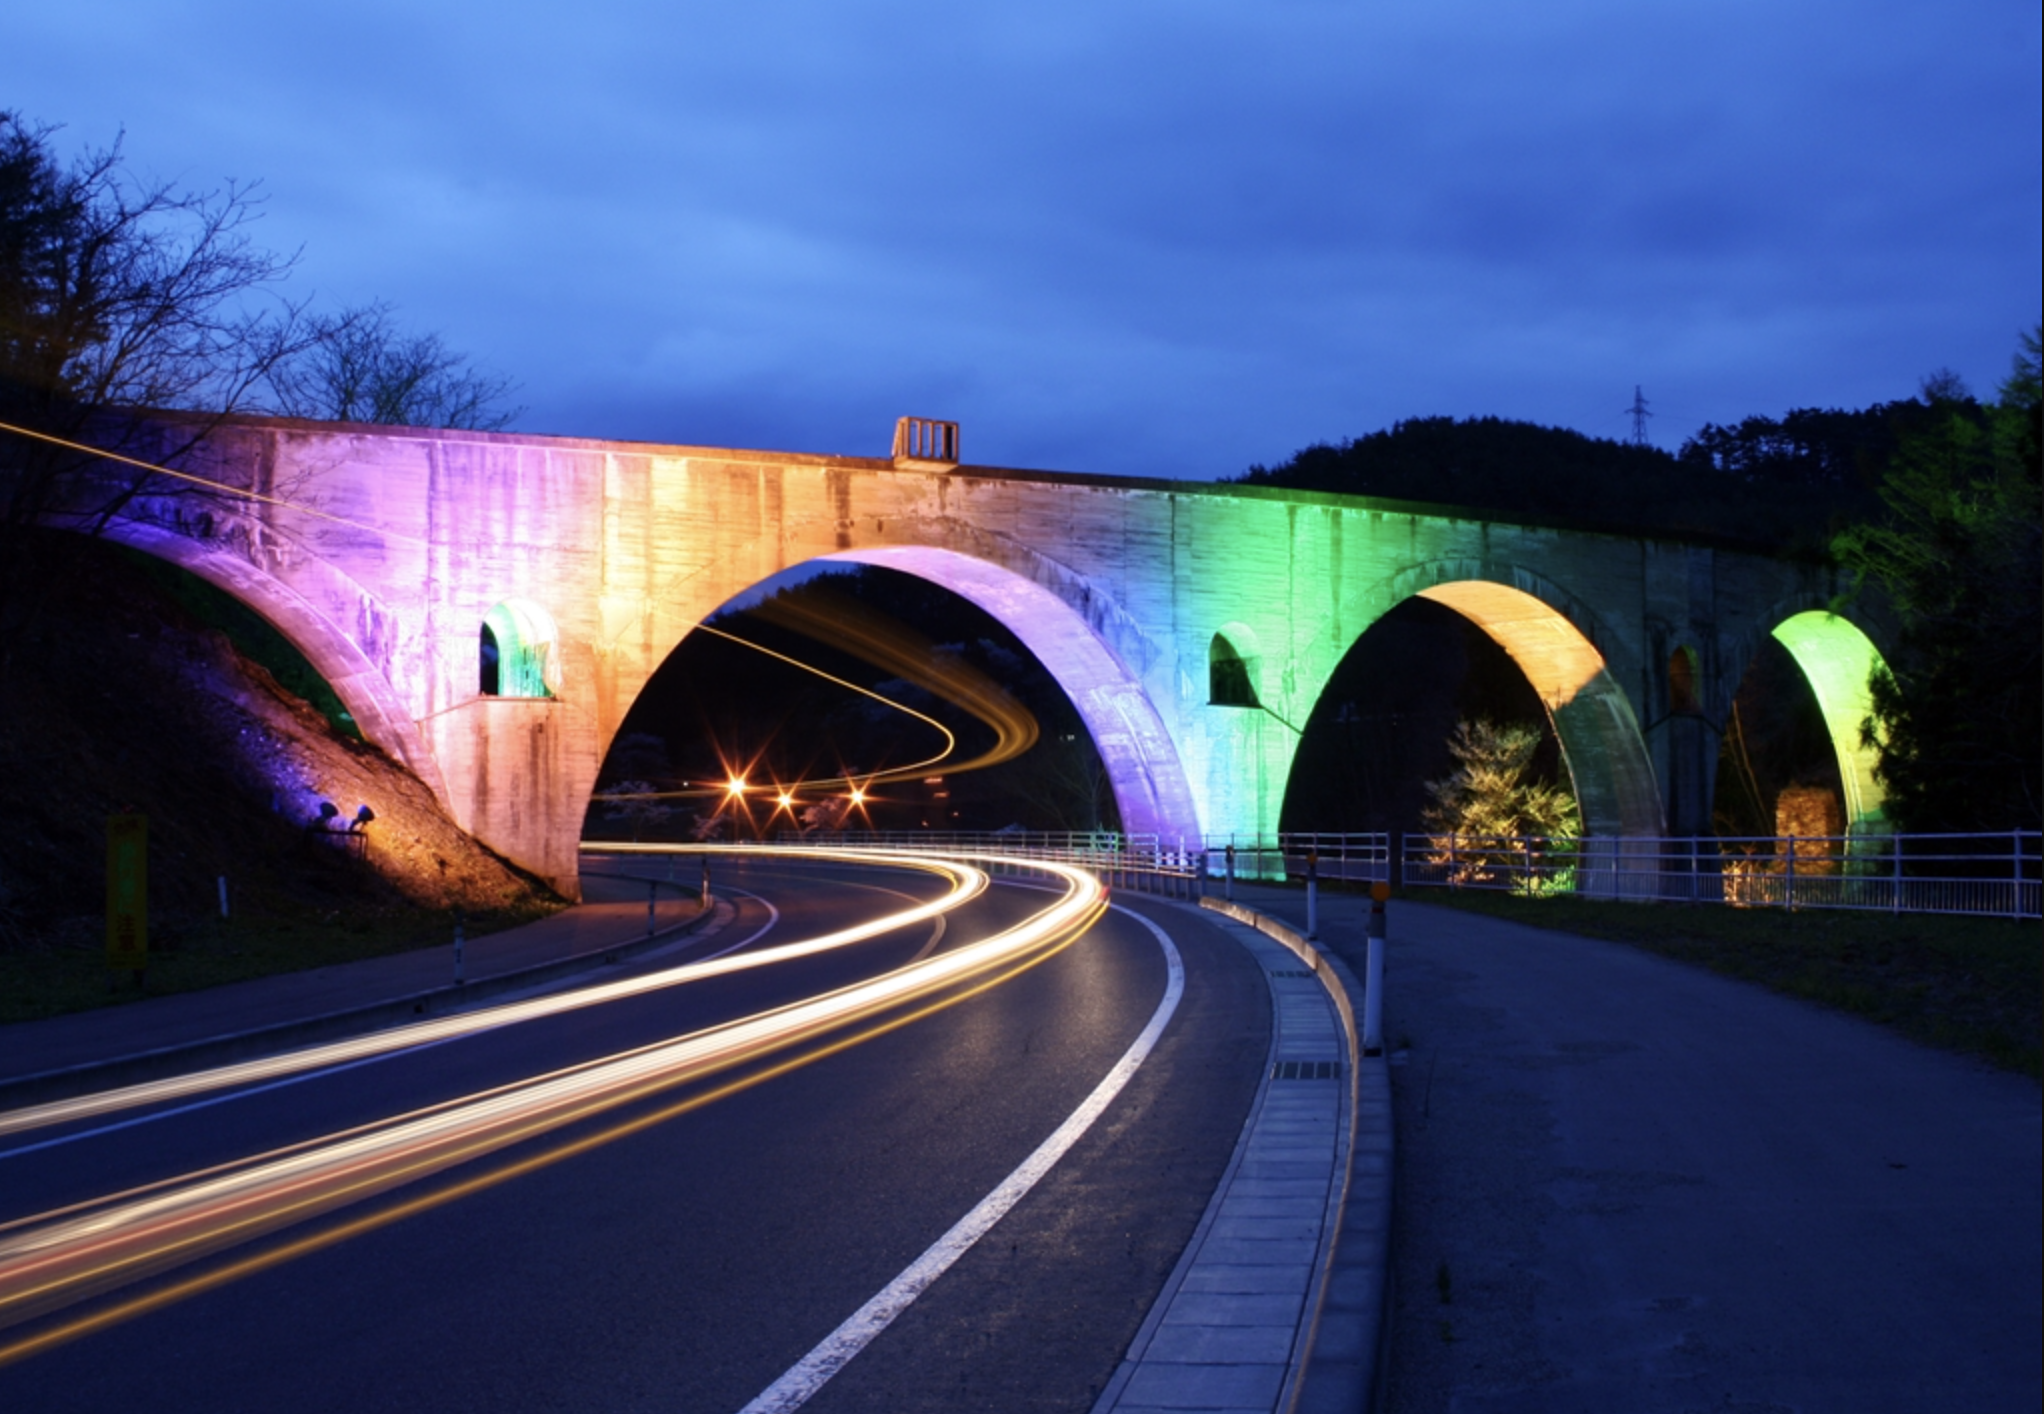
{"x":519,"y":772}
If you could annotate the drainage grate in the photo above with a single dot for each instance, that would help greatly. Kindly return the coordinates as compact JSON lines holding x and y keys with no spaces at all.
{"x":1306,"y":1070}
{"x":1292,"y":972}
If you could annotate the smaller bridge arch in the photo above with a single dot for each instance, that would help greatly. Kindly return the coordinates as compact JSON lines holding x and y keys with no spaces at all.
{"x":1234,"y":664}
{"x":519,"y":651}
{"x":1838,"y":660}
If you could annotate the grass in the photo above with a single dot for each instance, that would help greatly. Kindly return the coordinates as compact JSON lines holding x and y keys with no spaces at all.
{"x":1974,"y":985}
{"x":71,"y":974}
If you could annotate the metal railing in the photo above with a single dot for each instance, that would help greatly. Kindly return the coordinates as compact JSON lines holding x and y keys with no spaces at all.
{"x":1135,"y":862}
{"x":1146,"y":862}
{"x":1363,"y":858}
{"x":1999,"y":874}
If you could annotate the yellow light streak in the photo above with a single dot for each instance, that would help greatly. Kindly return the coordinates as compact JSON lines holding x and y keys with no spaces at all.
{"x":967,"y":884}
{"x":892,"y":773}
{"x":212,"y":485}
{"x":851,"y":627}
{"x":888,"y":645}
{"x":56,"y":1263}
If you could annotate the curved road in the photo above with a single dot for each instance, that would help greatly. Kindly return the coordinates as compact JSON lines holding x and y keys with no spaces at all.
{"x":687,"y":1264}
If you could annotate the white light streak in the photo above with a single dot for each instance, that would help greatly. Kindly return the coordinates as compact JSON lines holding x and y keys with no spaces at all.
{"x":967,"y":883}
{"x":45,"y":1266}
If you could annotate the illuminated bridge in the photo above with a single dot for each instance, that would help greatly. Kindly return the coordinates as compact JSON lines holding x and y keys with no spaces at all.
{"x":1193,"y":625}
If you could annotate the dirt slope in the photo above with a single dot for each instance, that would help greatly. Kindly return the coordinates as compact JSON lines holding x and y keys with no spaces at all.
{"x":117,"y":695}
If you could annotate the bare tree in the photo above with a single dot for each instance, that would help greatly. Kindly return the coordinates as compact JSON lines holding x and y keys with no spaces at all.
{"x":361,"y":367}
{"x":123,"y":300}
{"x":118,"y":293}
{"x":120,"y":298}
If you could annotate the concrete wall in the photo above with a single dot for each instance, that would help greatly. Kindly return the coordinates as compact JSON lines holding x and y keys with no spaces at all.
{"x":1119,"y":586}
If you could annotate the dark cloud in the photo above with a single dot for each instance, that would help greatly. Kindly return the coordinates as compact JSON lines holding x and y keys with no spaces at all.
{"x":1137,"y":237}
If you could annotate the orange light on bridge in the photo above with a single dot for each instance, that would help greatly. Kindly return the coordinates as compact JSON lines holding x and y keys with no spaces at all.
{"x":735,"y":787}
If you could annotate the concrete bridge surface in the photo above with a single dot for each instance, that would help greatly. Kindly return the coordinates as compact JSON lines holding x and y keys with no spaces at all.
{"x":1193,"y":625}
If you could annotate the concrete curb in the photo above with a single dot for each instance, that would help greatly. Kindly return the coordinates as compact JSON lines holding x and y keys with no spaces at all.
{"x":1344,"y":1360}
{"x":41,"y":1086}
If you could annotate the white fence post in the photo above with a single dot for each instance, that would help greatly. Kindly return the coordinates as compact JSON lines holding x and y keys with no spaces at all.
{"x":1373,"y":974}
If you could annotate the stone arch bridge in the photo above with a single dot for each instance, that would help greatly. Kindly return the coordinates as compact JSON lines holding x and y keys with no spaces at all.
{"x":1193,"y":625}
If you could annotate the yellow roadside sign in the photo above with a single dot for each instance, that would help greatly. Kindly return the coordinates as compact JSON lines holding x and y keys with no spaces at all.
{"x":127,"y":891}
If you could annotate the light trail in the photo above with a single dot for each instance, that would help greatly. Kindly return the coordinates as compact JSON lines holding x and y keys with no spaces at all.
{"x":801,"y":1382}
{"x":893,"y":773}
{"x":967,"y":883}
{"x":210,"y":484}
{"x":852,"y":628}
{"x":846,"y":624}
{"x":49,"y":1265}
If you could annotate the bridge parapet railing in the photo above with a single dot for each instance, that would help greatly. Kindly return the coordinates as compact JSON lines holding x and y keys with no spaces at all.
{"x":1147,"y":861}
{"x":1140,"y":862}
{"x":1355,"y":857}
{"x":1999,"y":874}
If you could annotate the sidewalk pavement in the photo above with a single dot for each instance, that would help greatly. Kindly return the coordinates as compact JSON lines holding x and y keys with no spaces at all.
{"x":1629,"y":1184}
{"x":1238,"y":1314}
{"x":87,"y":1050}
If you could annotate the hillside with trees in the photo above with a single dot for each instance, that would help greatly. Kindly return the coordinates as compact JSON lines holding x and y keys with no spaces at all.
{"x":1782,"y":485}
{"x":1933,"y":501}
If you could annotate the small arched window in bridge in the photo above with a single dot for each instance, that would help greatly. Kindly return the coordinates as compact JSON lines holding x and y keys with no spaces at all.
{"x":1230,"y":682}
{"x":517,"y":651}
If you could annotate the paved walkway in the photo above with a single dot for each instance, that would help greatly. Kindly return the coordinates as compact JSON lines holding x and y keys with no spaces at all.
{"x":1625,"y":1184}
{"x":614,"y":917}
{"x":1227,"y":1327}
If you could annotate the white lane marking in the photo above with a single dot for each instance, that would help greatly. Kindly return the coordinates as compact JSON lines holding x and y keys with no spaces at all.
{"x":809,"y":1374}
{"x":773,"y":917}
{"x":936,"y":930}
{"x":936,"y":937}
{"x":205,"y":1104}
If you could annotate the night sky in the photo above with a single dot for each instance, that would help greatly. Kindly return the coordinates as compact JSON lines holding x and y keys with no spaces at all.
{"x":1139,"y":238}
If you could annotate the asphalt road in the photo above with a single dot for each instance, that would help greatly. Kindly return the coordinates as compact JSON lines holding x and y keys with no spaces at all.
{"x":687,"y":1264}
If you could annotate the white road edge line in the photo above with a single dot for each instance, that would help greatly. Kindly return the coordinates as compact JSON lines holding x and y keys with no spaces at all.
{"x":773,"y":917}
{"x":809,"y":1374}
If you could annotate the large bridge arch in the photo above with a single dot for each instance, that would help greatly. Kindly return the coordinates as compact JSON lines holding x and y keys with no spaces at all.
{"x":1552,"y":638}
{"x":1141,"y":759}
{"x":333,"y":651}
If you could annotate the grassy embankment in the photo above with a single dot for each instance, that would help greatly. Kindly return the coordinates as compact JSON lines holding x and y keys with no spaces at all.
{"x":1974,"y":985}
{"x":133,"y":687}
